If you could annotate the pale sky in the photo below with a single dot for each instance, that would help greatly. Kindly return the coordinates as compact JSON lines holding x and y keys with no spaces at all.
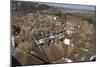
{"x":76,"y":6}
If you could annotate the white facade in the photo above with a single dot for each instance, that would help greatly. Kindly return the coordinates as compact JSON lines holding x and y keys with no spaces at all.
{"x":67,"y":41}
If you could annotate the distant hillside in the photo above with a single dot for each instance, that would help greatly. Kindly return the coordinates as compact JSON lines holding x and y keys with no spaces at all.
{"x":30,"y":6}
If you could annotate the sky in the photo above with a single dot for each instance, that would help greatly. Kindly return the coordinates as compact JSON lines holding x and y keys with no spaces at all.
{"x":65,"y":5}
{"x":75,"y":6}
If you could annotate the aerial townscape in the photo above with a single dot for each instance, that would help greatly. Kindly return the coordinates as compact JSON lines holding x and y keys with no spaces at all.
{"x":45,"y":33}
